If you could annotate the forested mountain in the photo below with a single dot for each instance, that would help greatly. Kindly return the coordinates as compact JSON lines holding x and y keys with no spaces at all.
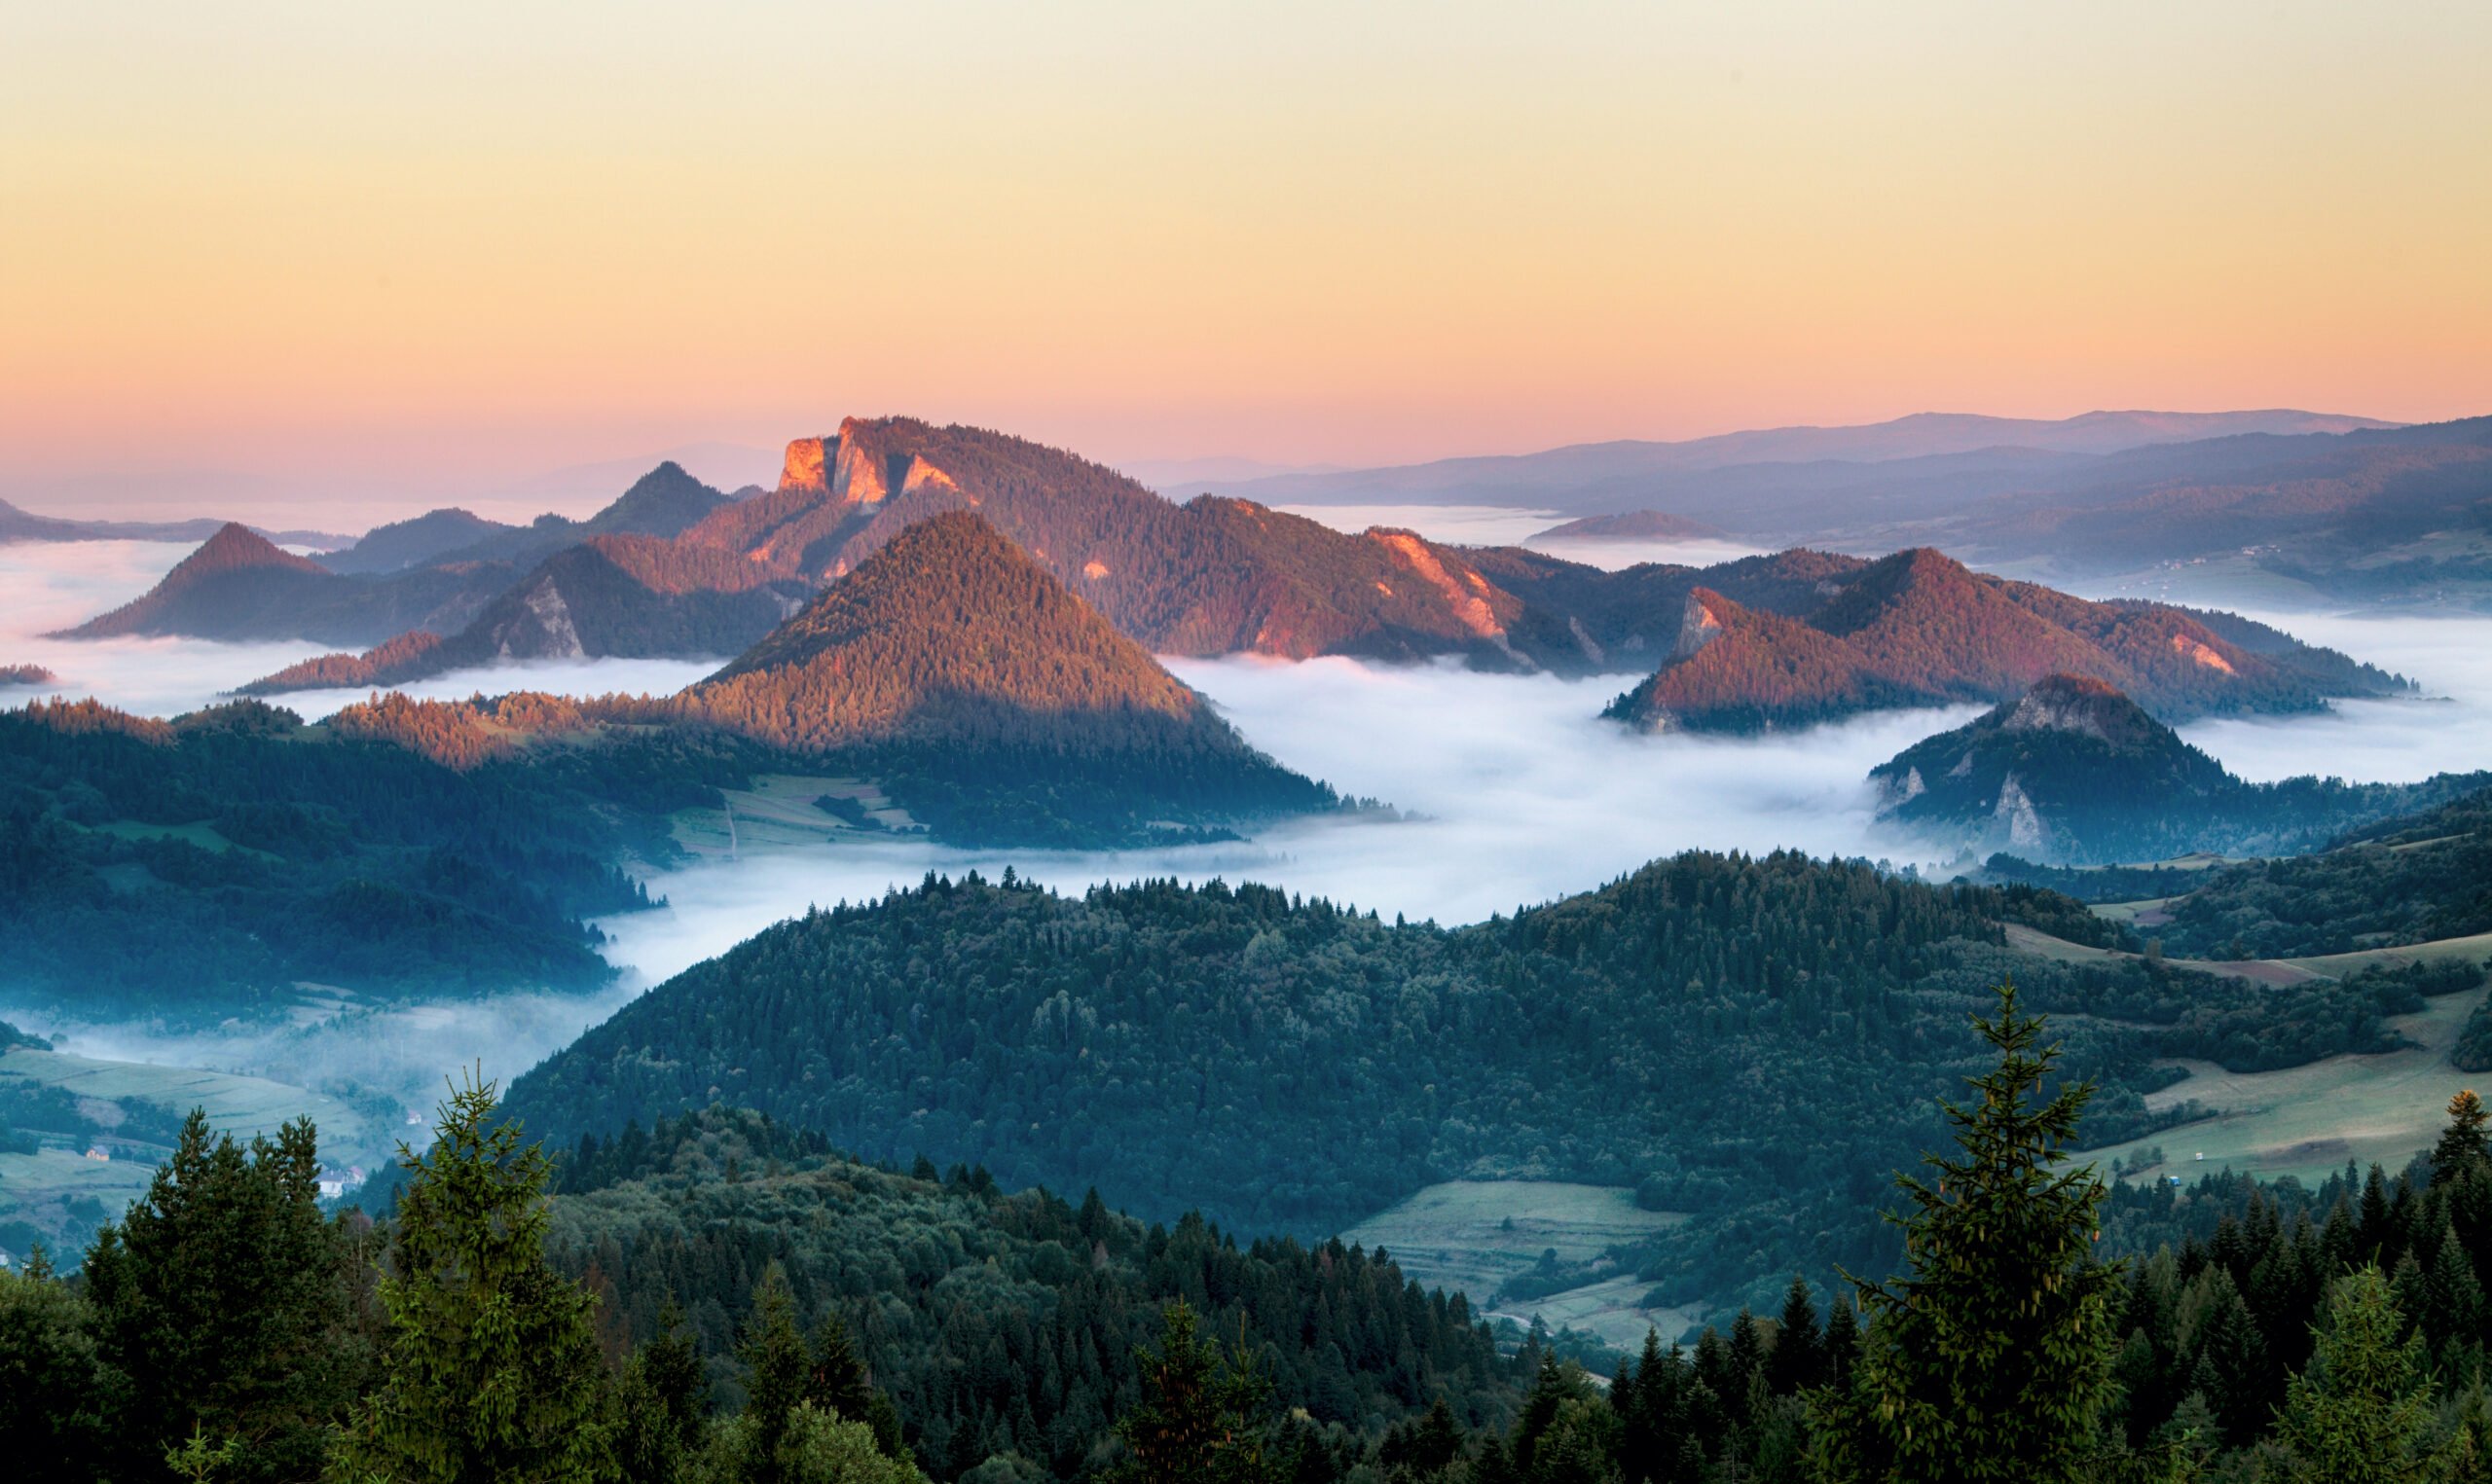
{"x":1223,"y":576}
{"x":240,"y":586}
{"x":417,"y":541}
{"x":190,"y":868}
{"x":2075,"y":772}
{"x":1920,"y":629}
{"x":2405,"y":881}
{"x":1745,"y":1039}
{"x":1001,"y":1325}
{"x":995,"y":705}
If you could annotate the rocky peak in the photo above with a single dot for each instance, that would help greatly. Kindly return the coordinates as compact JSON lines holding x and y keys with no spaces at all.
{"x":2079,"y":703}
{"x":1701,"y":623}
{"x":803,"y":466}
{"x":235,"y":545}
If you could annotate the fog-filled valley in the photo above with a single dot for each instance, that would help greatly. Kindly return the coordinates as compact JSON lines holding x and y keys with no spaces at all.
{"x":1509,"y":791}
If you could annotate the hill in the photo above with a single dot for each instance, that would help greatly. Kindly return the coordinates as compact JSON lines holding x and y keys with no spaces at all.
{"x":1921,"y":629}
{"x":2342,"y":507}
{"x":18,"y":524}
{"x":449,"y":571}
{"x":1750,"y":1041}
{"x":1595,"y":478}
{"x":2075,"y":772}
{"x":949,"y":654}
{"x":1629,"y":525}
{"x":239,"y":585}
{"x":216,"y":862}
{"x":2420,"y":878}
{"x":1000,"y":1323}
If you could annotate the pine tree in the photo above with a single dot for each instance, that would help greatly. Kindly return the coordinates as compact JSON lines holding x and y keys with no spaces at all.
{"x":219,"y":1300}
{"x":661,"y":1404}
{"x":1992,"y":1361}
{"x":1798,"y":1360}
{"x":2462,"y":1144}
{"x":493,"y":1374}
{"x":1197,"y":1421}
{"x":2359,"y":1413}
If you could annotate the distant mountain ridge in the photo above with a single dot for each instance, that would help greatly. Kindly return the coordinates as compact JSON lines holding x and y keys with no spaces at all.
{"x":2348,"y":507}
{"x":1921,"y":629}
{"x":2073,"y":772}
{"x":18,"y":524}
{"x":1564,"y":478}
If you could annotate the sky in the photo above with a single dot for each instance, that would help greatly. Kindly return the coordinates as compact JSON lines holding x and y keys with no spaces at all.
{"x":360,"y":252}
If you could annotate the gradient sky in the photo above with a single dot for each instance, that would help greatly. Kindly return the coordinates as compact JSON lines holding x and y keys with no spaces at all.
{"x":367,"y":249}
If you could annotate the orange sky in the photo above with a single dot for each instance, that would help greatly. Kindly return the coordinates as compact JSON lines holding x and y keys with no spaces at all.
{"x":449,"y":246}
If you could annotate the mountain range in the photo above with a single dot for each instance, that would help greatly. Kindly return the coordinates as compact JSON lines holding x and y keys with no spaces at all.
{"x":676,"y":569}
{"x":2075,"y":772}
{"x":18,"y":524}
{"x":2343,"y":506}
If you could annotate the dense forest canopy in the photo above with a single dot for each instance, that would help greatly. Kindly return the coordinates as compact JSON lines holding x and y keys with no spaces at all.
{"x":1751,"y":1041}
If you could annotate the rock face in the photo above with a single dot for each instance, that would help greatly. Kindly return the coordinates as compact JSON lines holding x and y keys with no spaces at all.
{"x":802,"y":470}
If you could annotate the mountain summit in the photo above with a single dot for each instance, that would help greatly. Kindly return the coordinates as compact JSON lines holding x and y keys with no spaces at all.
{"x":949,"y":632}
{"x":950,"y":662}
{"x":2074,"y":771}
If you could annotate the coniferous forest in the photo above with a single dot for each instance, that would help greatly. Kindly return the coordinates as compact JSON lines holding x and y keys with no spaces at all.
{"x":724,"y":1298}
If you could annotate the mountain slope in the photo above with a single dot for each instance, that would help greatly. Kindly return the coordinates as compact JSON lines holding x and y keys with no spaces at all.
{"x":1043,"y":1302}
{"x":950,"y":633}
{"x":1921,"y":629}
{"x":949,"y":656}
{"x":2073,"y":772}
{"x":1723,"y":1033}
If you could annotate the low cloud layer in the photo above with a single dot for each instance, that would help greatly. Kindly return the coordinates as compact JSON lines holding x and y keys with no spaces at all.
{"x":53,"y":586}
{"x":1521,"y":794}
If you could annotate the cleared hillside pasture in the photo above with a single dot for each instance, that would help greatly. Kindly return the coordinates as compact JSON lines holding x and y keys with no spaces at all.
{"x":2307,"y":1121}
{"x":1475,"y":1235}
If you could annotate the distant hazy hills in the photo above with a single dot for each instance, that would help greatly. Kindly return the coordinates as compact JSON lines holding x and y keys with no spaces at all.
{"x":2075,"y":772}
{"x":1602,"y":478}
{"x":2346,"y":505}
{"x":22,"y":525}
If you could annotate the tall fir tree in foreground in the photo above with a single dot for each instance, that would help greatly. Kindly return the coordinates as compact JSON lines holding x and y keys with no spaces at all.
{"x":494,"y":1375}
{"x":1199,"y":1418}
{"x":220,"y":1310}
{"x":2361,"y":1412}
{"x":1992,"y":1360}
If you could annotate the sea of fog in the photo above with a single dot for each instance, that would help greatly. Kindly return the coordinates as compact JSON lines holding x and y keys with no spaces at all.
{"x":1515,"y":791}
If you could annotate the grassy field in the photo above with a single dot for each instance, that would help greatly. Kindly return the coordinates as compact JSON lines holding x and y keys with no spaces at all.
{"x":61,"y":1194}
{"x":779,"y":810}
{"x":2307,"y":1121}
{"x":1473,"y":1235}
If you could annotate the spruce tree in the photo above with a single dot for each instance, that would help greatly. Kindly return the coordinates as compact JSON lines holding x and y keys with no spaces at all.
{"x":1797,"y":1361}
{"x":2462,"y":1144}
{"x":1992,"y":1361}
{"x":661,"y":1404}
{"x":493,"y":1374}
{"x":220,"y":1302}
{"x":2359,"y":1413}
{"x":1198,"y":1418}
